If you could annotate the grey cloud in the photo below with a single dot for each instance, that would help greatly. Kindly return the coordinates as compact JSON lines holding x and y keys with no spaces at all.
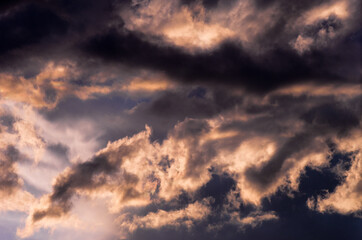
{"x":9,"y":179}
{"x":267,"y":174}
{"x":87,"y":176}
{"x":59,"y":149}
{"x":281,"y":113}
{"x":8,"y":121}
{"x":332,"y":117}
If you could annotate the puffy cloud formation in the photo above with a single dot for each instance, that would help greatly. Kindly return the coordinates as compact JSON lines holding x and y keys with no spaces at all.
{"x":346,"y":199}
{"x":136,"y":171}
{"x":185,"y":119}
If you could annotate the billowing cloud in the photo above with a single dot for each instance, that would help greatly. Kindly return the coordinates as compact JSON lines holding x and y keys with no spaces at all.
{"x":185,"y":119}
{"x":137,"y":171}
{"x":346,"y":198}
{"x":250,"y":44}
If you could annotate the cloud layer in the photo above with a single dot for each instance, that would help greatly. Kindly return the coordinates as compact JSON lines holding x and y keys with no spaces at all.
{"x":185,"y":119}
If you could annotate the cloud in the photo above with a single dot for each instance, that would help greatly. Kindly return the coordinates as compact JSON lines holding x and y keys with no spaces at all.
{"x":12,"y":196}
{"x":17,"y":201}
{"x":180,"y":25}
{"x":196,"y":25}
{"x":48,"y":87}
{"x":33,"y":23}
{"x":325,"y":118}
{"x":228,"y":62}
{"x":9,"y":180}
{"x":245,"y":99}
{"x":184,"y":217}
{"x":20,"y":132}
{"x":280,"y":43}
{"x":254,"y":218}
{"x":136,"y":171}
{"x":346,"y":198}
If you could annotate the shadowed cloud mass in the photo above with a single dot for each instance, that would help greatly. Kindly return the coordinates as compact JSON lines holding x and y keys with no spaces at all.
{"x":184,"y":119}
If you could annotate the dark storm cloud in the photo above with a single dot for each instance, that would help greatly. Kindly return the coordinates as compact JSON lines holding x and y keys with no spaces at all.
{"x":270,"y":171}
{"x":29,"y":25}
{"x":332,"y":117}
{"x":75,"y":26}
{"x":228,"y":64}
{"x":161,"y":112}
{"x":322,"y":114}
{"x":321,"y":120}
{"x":36,"y":32}
{"x":66,"y":185}
{"x":8,"y":3}
{"x":87,"y":176}
{"x":169,"y":107}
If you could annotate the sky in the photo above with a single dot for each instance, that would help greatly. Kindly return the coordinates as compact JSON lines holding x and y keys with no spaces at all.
{"x":180,"y":119}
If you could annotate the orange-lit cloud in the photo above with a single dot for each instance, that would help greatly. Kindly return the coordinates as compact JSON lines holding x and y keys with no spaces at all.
{"x":132,"y":171}
{"x":18,"y":201}
{"x":340,"y":91}
{"x":254,"y":218}
{"x":336,"y":8}
{"x":123,"y":118}
{"x":147,"y":84}
{"x":196,"y":28}
{"x":181,"y":28}
{"x":347,"y":197}
{"x":175,"y":218}
{"x":54,"y":83}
